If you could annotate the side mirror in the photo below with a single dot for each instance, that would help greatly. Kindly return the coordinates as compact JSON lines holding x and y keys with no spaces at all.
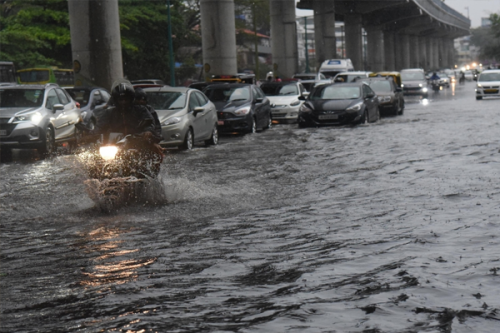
{"x":370,"y":95}
{"x":302,"y":98}
{"x":197,"y":110}
{"x":305,"y":93}
{"x":57,"y":107}
{"x":259,"y":100}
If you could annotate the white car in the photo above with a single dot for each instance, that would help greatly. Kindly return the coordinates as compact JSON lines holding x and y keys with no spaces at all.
{"x":468,"y":75}
{"x":351,"y":76}
{"x":284,"y":99}
{"x":488,"y":84}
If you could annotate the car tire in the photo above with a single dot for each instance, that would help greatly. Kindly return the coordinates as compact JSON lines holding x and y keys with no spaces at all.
{"x":479,"y":98}
{"x":270,"y":122}
{"x":402,"y":110}
{"x":253,"y":127}
{"x":378,"y":114}
{"x":48,"y":147}
{"x":92,"y":123}
{"x":77,"y":139}
{"x":188,"y":140}
{"x":214,"y":139}
{"x":363,"y":118}
{"x":302,"y":124}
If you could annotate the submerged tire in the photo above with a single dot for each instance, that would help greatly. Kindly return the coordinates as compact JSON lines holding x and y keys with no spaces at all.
{"x":188,"y":140}
{"x":214,"y":139}
{"x":48,"y":147}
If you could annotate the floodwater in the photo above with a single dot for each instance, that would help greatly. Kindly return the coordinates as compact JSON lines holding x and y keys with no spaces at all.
{"x":385,"y":227}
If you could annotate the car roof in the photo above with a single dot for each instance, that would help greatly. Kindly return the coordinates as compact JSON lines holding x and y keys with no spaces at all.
{"x":224,"y":85}
{"x":491,"y":71}
{"x":354,"y":73}
{"x":346,"y":84}
{"x":83,"y":88}
{"x":31,"y":86}
{"x":169,"y":88}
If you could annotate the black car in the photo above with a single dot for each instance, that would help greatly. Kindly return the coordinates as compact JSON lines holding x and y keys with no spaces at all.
{"x":390,"y":97}
{"x":91,"y":99}
{"x":241,"y":107}
{"x":339,"y":103}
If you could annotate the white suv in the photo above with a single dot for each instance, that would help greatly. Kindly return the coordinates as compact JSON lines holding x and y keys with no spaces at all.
{"x":488,"y":84}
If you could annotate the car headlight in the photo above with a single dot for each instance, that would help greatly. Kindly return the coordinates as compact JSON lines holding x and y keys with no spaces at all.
{"x":295,"y":103}
{"x":243,"y":111}
{"x":304,"y":108}
{"x":172,"y":120}
{"x":402,"y":85}
{"x":420,"y":85}
{"x":34,"y":117}
{"x":355,"y":108}
{"x":479,"y":85}
{"x":425,"y":90}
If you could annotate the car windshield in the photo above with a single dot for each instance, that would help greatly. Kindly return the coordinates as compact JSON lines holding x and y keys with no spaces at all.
{"x":228,"y":93}
{"x":279,"y":90}
{"x":12,"y":98}
{"x":34,"y":76}
{"x":381,"y":86}
{"x":166,"y":100}
{"x":487,"y":77}
{"x":412,"y":76}
{"x":348,"y":77}
{"x":82,"y":96}
{"x":335,"y":92}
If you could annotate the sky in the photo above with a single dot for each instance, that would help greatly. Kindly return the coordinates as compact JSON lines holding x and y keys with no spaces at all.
{"x":476,"y":9}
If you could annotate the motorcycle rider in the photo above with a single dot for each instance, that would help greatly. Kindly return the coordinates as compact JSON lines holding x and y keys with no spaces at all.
{"x":434,"y":77}
{"x":142,"y":99}
{"x":123,"y":116}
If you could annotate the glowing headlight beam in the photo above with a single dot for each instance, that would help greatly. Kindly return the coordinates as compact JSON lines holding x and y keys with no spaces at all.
{"x":108,"y":152}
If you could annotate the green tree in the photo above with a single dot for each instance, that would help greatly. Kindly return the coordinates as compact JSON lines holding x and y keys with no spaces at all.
{"x":35,"y":33}
{"x":488,"y":39}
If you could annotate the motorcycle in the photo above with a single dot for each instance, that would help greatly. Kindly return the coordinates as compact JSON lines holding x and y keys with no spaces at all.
{"x":436,"y":86}
{"x":123,"y":169}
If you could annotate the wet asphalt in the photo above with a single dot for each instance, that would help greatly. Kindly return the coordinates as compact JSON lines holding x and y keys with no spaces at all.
{"x":385,"y":227}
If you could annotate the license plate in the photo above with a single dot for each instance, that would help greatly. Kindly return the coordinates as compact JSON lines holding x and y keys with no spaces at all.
{"x":490,"y":90}
{"x":328,"y":116}
{"x":220,"y":122}
{"x":3,"y":132}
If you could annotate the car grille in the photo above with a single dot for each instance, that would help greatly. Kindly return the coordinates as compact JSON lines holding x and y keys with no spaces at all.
{"x":225,"y":115}
{"x":491,"y":87}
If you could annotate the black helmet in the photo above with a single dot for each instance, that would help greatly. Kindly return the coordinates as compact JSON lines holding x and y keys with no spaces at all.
{"x":140,"y":95}
{"x":121,"y":90}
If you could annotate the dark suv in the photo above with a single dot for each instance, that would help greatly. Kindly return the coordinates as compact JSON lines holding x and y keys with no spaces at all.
{"x":37,"y":117}
{"x":240,"y":107}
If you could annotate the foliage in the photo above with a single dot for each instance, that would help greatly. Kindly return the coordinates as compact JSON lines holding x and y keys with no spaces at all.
{"x":35,"y":33}
{"x":488,"y":39}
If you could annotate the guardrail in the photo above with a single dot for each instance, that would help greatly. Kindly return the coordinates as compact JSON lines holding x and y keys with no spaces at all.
{"x":441,"y":12}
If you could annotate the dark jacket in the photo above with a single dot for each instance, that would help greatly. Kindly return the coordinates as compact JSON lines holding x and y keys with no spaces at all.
{"x":157,"y":125}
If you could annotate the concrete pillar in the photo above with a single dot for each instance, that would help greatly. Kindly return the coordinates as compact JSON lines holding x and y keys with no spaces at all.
{"x":430,"y":53}
{"x":422,"y":48}
{"x":404,"y":40}
{"x":414,"y":52}
{"x":283,"y":38}
{"x":218,"y":37}
{"x":435,"y":49}
{"x":95,"y":42}
{"x":324,"y":31}
{"x":375,"y":45}
{"x":451,"y":54}
{"x":354,"y":40}
{"x":389,"y":50}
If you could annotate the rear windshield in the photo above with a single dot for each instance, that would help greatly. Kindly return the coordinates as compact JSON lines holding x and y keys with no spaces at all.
{"x":64,"y":78}
{"x":412,"y":76}
{"x":380,"y":86}
{"x":17,"y":98}
{"x":487,"y":77}
{"x":228,"y":94}
{"x":279,"y":90}
{"x":337,"y":91}
{"x":82,"y":96}
{"x":166,"y":100}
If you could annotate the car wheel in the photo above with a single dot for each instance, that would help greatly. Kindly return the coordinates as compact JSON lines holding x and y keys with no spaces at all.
{"x":378,"y":115}
{"x":48,"y":146}
{"x":214,"y":139}
{"x":479,"y":98}
{"x":188,"y":140}
{"x":92,"y":124}
{"x":77,"y":139}
{"x":270,"y":122}
{"x":402,"y":110}
{"x":302,"y":124}
{"x":253,"y":128}
{"x":363,"y":118}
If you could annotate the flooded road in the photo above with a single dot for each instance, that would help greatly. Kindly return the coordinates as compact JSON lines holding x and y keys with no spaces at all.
{"x":386,"y":227}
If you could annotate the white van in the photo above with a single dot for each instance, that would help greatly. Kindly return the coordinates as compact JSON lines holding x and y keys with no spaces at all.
{"x":332,"y":67}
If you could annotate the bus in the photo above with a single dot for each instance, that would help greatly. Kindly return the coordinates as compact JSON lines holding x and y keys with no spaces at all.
{"x":40,"y":75}
{"x":7,"y":72}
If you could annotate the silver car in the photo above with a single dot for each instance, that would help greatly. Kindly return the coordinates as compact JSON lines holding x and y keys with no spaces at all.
{"x":37,"y":117}
{"x":186,"y":116}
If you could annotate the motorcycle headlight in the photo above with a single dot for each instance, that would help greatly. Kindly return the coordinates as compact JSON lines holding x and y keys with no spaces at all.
{"x":172,"y":120}
{"x":304,"y":108}
{"x":295,"y":103}
{"x":355,"y":108}
{"x":243,"y":111}
{"x":34,"y":117}
{"x":108,"y":153}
